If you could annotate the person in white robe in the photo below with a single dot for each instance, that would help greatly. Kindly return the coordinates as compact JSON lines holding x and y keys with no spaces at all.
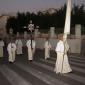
{"x":1,"y":47}
{"x":62,"y":63}
{"x":31,"y":49}
{"x":19,"y":45}
{"x":11,"y":48}
{"x":47,"y":47}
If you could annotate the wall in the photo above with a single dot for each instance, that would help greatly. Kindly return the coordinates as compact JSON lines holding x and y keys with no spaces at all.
{"x":75,"y":44}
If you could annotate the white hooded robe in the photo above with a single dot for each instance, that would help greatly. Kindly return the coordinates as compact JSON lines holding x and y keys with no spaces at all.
{"x":1,"y":48}
{"x":11,"y":48}
{"x":62,"y":64}
{"x":19,"y":46}
{"x":30,"y":51}
{"x":47,"y":49}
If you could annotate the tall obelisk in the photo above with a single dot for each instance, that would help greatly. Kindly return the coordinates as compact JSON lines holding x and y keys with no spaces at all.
{"x":67,"y":20}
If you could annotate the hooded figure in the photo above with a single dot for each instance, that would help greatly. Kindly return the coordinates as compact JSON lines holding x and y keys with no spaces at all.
{"x":31,"y":48}
{"x":47,"y":48}
{"x":19,"y":45}
{"x":62,"y":63}
{"x":1,"y":47}
{"x":11,"y":48}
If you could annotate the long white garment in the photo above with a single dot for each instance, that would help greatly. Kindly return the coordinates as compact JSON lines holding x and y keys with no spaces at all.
{"x":30,"y":51}
{"x":47,"y":49}
{"x":62,"y":64}
{"x":1,"y":48}
{"x":19,"y":46}
{"x":11,"y":48}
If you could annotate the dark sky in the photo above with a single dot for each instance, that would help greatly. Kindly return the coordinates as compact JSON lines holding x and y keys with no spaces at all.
{"x":32,"y":5}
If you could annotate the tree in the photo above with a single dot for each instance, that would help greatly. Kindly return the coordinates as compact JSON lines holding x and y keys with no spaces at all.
{"x":47,"y":20}
{"x":11,"y":23}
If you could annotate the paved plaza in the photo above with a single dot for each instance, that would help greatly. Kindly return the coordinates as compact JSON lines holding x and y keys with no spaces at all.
{"x":40,"y":71}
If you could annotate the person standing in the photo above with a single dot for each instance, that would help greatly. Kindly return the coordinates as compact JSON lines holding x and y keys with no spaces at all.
{"x":1,"y":47}
{"x":47,"y":48}
{"x":62,"y":63}
{"x":19,"y":45}
{"x":11,"y":48}
{"x":1,"y":50}
{"x":31,"y":48}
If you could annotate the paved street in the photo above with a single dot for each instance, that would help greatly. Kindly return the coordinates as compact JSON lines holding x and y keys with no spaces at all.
{"x":40,"y":71}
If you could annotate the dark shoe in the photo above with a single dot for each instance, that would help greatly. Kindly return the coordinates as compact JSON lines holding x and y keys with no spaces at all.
{"x":30,"y":60}
{"x":11,"y":62}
